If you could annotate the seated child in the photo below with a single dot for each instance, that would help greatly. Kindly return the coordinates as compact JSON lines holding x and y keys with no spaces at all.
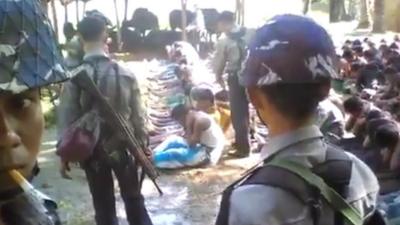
{"x":204,"y":100}
{"x":202,"y":143}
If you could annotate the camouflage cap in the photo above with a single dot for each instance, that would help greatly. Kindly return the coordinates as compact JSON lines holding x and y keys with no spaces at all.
{"x":29,"y":55}
{"x":290,"y":49}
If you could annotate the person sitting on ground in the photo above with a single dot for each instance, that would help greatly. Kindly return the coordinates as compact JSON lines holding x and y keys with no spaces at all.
{"x":368,"y":77}
{"x":358,"y":110}
{"x":389,"y":90}
{"x":384,"y":135}
{"x":204,"y":100}
{"x":202,"y":143}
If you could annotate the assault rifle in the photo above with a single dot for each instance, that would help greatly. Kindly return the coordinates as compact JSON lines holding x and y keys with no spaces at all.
{"x":117,"y":122}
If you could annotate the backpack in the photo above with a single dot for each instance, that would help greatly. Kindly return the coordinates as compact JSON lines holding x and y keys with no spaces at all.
{"x":81,"y":138}
{"x":328,"y":181}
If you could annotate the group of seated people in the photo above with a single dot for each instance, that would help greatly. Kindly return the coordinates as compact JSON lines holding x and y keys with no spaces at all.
{"x":367,"y":121}
{"x":205,"y":117}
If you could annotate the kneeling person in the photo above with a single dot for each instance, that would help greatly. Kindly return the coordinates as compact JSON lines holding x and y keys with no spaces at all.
{"x":202,"y":143}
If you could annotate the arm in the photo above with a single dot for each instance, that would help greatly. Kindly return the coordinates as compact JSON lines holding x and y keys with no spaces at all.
{"x":198,"y":127}
{"x":266,"y":206}
{"x":69,"y":109}
{"x":137,"y":116}
{"x":219,"y":60}
{"x":350,"y":124}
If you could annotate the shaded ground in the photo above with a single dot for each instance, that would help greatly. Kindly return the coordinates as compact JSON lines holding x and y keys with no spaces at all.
{"x":190,"y":196}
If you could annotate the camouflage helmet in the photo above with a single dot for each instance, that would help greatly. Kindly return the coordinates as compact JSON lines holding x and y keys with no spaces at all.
{"x":29,"y":55}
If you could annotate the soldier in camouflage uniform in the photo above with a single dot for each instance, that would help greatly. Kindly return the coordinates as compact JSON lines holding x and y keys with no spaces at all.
{"x":120,"y":86}
{"x":29,"y":61}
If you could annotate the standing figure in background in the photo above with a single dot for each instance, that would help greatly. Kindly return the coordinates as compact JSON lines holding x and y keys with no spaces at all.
{"x":110,"y":155}
{"x":229,"y":56}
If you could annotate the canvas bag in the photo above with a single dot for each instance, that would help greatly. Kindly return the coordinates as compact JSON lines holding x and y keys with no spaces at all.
{"x":81,"y":137}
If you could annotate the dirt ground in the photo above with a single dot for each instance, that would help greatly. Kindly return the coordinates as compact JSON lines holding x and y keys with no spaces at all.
{"x":191,"y":197}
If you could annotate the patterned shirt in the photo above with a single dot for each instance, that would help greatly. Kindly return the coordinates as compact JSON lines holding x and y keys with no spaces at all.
{"x":74,"y":103}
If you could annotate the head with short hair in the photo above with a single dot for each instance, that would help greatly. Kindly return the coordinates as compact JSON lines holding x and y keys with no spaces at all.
{"x":369,"y":55}
{"x":359,"y":51}
{"x":354,"y":106}
{"x":69,"y":31}
{"x":226,"y":21}
{"x":375,"y":114}
{"x":348,"y":55}
{"x":92,"y":29}
{"x":383,"y":133}
{"x":288,"y":72}
{"x":179,"y":113}
{"x":203,"y":98}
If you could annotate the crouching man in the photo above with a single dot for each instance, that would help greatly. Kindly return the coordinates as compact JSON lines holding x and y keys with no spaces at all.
{"x":202,"y":143}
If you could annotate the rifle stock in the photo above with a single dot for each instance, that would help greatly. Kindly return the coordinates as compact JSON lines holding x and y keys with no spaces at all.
{"x":120,"y":125}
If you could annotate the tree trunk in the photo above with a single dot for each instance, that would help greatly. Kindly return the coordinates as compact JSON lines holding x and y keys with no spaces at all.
{"x":184,"y":19}
{"x":364,"y":21}
{"x":126,"y":10}
{"x":352,"y":9}
{"x":337,"y":10}
{"x":306,"y":6}
{"x":242,"y":7}
{"x":55,"y":19}
{"x":379,"y":10}
{"x":84,"y":7}
{"x":77,"y":11}
{"x":118,"y":26}
{"x":65,"y":13}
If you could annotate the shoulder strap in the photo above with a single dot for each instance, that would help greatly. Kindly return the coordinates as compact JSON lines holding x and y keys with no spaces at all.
{"x":329,"y":194}
{"x":334,"y":174}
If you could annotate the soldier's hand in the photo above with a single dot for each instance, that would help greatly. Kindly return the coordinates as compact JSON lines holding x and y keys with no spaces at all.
{"x":64,"y":169}
{"x":149,"y":153}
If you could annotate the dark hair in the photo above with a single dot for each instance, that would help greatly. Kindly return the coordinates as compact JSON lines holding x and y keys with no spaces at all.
{"x":348,"y":54}
{"x":358,"y":49}
{"x":375,"y":114}
{"x":353,"y":104}
{"x":91,"y":28}
{"x":296,"y":100}
{"x":356,"y":66}
{"x":222,"y":96}
{"x":348,"y":42}
{"x":69,"y":30}
{"x":357,"y":42}
{"x":372,"y":67}
{"x":386,"y":136}
{"x":369,"y":54}
{"x":390,"y":70}
{"x":394,"y":46}
{"x":179,"y":111}
{"x":201,"y":93}
{"x":227,"y":17}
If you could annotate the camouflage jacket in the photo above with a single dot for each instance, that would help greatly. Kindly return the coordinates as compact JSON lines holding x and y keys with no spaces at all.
{"x":29,"y":209}
{"x":75,"y":102}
